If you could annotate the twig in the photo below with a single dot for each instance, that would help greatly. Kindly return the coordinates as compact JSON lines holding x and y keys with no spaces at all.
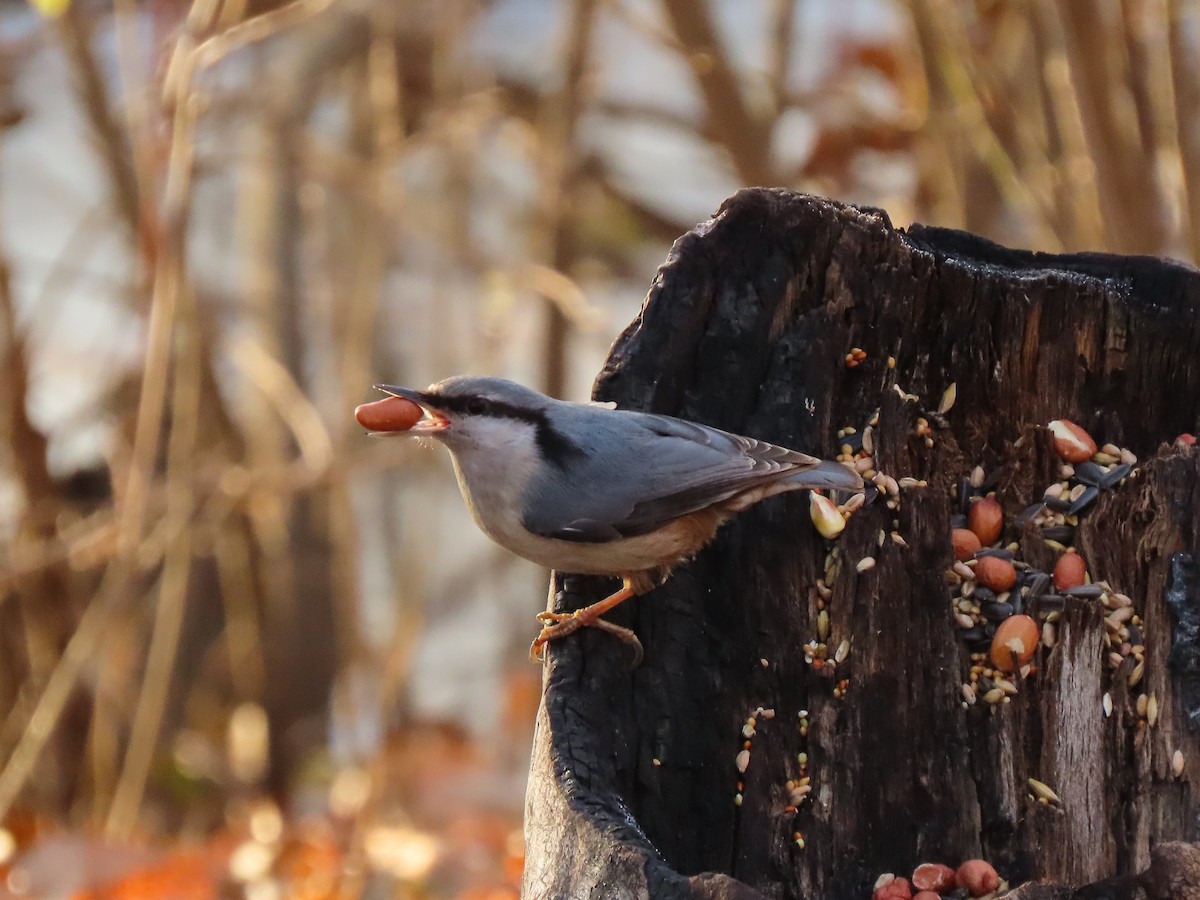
{"x":947,"y":69}
{"x":61,"y":683}
{"x":744,"y":134}
{"x":172,"y":595}
{"x":1065,"y":119}
{"x":561,"y":182}
{"x":1133,"y":214}
{"x":111,"y":141}
{"x":1183,"y":22}
{"x":781,"y":38}
{"x":289,"y":401}
{"x":46,"y":601}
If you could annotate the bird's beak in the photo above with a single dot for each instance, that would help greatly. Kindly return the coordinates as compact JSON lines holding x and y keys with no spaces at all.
{"x":434,"y":420}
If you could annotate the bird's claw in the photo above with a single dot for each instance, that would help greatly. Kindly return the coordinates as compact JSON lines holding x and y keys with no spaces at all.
{"x":559,"y":625}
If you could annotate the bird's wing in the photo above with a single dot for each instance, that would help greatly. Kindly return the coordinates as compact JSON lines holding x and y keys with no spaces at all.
{"x":639,"y":473}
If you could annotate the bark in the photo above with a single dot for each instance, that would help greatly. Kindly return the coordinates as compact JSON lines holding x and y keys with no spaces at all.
{"x":746,"y":328}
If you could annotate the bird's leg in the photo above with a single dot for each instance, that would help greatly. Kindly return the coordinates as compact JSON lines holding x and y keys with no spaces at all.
{"x":557,"y":625}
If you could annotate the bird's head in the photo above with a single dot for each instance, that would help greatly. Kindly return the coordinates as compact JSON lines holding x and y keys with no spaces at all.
{"x":466,"y":412}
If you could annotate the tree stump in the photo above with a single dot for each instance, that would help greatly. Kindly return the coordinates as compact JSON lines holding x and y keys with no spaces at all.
{"x":635,"y":787}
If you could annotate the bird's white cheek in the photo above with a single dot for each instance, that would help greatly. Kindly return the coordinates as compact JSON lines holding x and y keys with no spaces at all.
{"x":494,"y":463}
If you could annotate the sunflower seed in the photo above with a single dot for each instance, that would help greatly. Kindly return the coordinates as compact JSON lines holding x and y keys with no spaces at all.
{"x":974,"y":636}
{"x":1042,"y":791}
{"x":1083,"y":500}
{"x":1114,"y":475}
{"x":998,"y":552}
{"x":1135,"y":677}
{"x":1049,"y":635}
{"x":993,"y":478}
{"x":1007,"y":686}
{"x":1051,"y":602}
{"x":1121,"y":615}
{"x":965,"y":493}
{"x":997,"y":612}
{"x":948,"y":398}
{"x":984,"y":595}
{"x":1028,"y":514}
{"x":1037,"y":586}
{"x":1064,"y":534}
{"x":1085,"y":591}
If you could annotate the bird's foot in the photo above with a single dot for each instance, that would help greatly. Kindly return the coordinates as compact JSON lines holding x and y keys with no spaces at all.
{"x":559,"y":625}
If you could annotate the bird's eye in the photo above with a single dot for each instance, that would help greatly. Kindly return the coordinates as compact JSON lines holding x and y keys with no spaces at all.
{"x":477,"y":406}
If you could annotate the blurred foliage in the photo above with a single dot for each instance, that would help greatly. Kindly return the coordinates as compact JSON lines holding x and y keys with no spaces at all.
{"x":223,"y":623}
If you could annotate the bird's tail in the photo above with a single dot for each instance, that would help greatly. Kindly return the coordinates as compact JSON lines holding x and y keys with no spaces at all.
{"x":830,"y":476}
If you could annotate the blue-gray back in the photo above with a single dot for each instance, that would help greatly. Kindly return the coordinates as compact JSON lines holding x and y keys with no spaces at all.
{"x":630,"y":473}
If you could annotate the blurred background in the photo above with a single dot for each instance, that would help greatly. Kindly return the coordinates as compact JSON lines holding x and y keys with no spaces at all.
{"x":246,"y":651}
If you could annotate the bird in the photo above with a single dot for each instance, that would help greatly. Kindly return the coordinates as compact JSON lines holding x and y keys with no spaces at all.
{"x":590,"y":489}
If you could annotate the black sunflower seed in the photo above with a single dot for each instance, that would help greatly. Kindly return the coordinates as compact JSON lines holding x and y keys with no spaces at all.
{"x":1085,"y":500}
{"x":998,"y":552}
{"x":996,"y":612}
{"x":1064,"y":534}
{"x":1114,"y":475}
{"x":1089,"y":473}
{"x":1051,"y":602}
{"x":1037,"y":586}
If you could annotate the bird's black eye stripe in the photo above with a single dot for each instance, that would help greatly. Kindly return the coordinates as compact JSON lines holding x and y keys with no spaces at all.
{"x":557,"y":447}
{"x":475,"y":405}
